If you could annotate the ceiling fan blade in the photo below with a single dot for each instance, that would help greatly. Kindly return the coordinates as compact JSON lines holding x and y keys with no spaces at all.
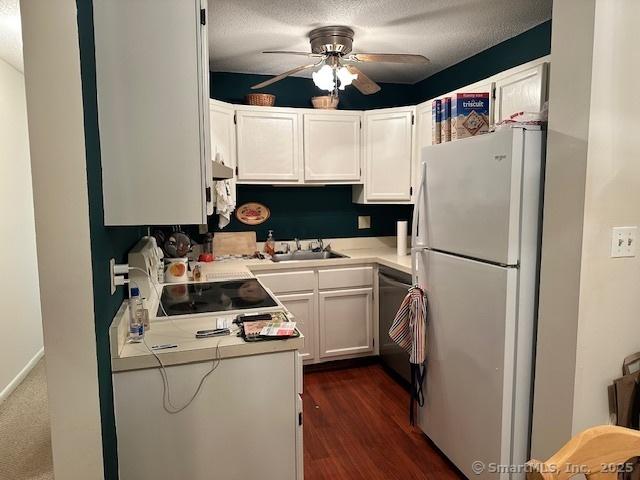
{"x":390,"y":58}
{"x":277,"y":78}
{"x":364,"y":84}
{"x":286,"y":52}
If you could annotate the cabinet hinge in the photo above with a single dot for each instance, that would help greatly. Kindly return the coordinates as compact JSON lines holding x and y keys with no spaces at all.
{"x":374,"y":343}
{"x":360,"y":124}
{"x":236,"y":170}
{"x":410,"y":190}
{"x":493,"y":93}
{"x":413,"y":119}
{"x":235,"y":118}
{"x":207,"y":193}
{"x":299,"y":418}
{"x":203,"y":16}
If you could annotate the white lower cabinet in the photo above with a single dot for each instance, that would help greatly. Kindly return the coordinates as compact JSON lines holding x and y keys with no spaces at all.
{"x":248,"y":404}
{"x":333,"y":307}
{"x":303,"y":307}
{"x":346,"y":322}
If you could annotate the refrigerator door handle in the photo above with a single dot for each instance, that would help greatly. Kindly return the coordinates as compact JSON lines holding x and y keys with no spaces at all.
{"x":416,"y":245}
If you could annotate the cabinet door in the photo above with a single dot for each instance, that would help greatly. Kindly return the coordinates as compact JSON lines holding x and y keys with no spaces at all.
{"x":303,"y":308}
{"x":332,"y":147}
{"x":223,"y":137}
{"x":423,"y":138}
{"x":388,"y":154}
{"x":346,"y":322}
{"x":269,"y":146}
{"x":525,"y":91}
{"x":152,"y":88}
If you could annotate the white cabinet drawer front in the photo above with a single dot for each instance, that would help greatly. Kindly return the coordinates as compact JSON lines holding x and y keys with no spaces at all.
{"x":269,"y":146}
{"x":303,"y":307}
{"x":302,"y":281}
{"x":345,"y":277}
{"x":346,"y":322}
{"x":332,"y":147}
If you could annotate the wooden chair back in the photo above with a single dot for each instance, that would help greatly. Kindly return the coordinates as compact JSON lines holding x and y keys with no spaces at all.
{"x":599,"y":453}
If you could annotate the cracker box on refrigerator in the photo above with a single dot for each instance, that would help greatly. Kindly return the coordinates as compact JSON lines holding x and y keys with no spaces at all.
{"x":445,"y":124}
{"x":436,"y":121}
{"x":469,"y":115}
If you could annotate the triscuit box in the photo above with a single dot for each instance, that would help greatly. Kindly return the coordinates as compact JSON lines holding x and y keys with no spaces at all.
{"x":445,"y":126}
{"x":469,"y":115}
{"x":436,"y":123}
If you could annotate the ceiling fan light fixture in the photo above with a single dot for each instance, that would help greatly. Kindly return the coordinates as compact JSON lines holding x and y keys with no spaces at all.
{"x":346,"y":77}
{"x":324,"y":78}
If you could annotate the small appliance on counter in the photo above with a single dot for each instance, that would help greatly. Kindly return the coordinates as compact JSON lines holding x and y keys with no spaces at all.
{"x":176,"y":270}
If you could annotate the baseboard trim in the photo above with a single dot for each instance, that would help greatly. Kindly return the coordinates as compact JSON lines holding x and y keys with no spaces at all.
{"x":342,"y":364}
{"x":8,"y":390}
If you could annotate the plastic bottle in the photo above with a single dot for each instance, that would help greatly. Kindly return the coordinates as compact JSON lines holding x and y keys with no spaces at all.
{"x":270,"y":244}
{"x":136,"y":316}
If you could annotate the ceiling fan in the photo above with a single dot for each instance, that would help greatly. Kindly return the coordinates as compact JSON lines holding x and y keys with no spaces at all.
{"x":331,"y":48}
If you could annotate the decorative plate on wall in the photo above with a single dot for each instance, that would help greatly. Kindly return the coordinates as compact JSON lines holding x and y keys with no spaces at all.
{"x":252,"y":213}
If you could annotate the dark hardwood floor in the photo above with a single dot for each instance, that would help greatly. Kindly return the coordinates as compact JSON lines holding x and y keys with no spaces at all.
{"x":356,"y":427}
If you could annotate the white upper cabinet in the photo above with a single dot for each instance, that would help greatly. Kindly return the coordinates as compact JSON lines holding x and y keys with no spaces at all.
{"x":388,"y":135}
{"x":269,"y":145}
{"x":153,"y":110}
{"x":423,"y":138}
{"x":524,"y":91}
{"x":223,"y":136}
{"x":332,"y":147}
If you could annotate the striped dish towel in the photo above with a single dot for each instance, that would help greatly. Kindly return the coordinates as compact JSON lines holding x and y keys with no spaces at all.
{"x":409,"y":328}
{"x":409,"y":331}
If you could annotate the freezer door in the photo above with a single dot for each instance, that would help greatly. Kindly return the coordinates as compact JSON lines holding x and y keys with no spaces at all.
{"x":470,"y":360}
{"x":473,"y":196}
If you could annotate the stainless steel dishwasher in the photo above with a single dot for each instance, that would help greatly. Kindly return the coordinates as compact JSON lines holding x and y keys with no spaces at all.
{"x":393,"y":287}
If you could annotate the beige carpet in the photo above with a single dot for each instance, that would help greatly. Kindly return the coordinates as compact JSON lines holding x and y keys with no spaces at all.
{"x":25,"y":435}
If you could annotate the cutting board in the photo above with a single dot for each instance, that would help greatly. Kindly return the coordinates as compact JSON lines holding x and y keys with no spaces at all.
{"x":234,"y":243}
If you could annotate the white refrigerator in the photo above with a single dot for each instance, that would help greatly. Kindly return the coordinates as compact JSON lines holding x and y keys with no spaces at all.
{"x":475,"y":251}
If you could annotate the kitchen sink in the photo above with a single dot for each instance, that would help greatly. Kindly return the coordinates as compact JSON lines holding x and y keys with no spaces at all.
{"x":305,"y":255}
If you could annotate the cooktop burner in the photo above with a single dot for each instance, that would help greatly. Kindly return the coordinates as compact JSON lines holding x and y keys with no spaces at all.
{"x":209,"y":297}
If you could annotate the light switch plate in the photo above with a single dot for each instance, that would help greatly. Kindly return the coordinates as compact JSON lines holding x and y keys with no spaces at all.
{"x":623,"y":241}
{"x":364,"y":222}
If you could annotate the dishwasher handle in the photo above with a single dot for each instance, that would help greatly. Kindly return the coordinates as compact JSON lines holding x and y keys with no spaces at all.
{"x":395,"y":283}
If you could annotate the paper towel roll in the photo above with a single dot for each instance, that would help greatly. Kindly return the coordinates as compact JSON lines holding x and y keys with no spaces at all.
{"x":402,"y":238}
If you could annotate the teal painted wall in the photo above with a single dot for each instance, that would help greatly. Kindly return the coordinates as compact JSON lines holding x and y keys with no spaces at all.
{"x":315,"y":212}
{"x":529,"y":45}
{"x":106,"y":242}
{"x":297,"y":92}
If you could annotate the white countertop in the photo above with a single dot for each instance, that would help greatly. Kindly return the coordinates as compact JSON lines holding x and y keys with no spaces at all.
{"x":135,"y":356}
{"x":127,"y":356}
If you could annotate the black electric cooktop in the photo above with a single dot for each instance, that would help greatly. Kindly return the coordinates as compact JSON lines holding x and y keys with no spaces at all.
{"x":209,"y":297}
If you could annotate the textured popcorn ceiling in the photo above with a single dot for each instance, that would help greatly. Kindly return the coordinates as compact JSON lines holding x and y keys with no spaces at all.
{"x":446,"y":31}
{"x":10,"y":33}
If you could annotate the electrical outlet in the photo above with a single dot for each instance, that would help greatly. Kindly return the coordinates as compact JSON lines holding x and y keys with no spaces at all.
{"x":112,"y":274}
{"x":623,"y":242}
{"x":364,"y":222}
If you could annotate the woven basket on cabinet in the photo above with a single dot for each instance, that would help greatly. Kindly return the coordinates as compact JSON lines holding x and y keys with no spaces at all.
{"x":260,"y":99}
